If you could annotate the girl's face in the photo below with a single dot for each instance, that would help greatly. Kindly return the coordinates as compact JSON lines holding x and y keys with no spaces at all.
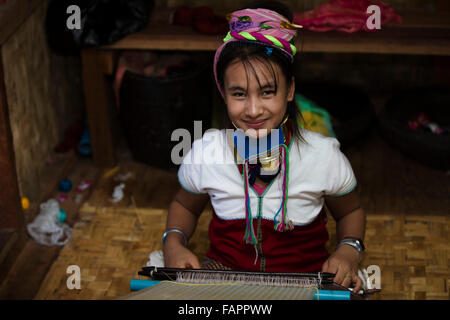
{"x":252,"y":105}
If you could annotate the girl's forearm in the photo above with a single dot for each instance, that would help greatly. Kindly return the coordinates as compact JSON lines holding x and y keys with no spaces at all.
{"x":181,"y":218}
{"x":351,"y":225}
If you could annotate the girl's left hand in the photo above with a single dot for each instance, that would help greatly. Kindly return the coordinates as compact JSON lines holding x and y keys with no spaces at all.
{"x":344,"y":263}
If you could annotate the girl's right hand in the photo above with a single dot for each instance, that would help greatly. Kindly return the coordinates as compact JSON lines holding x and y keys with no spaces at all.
{"x":178,"y":256}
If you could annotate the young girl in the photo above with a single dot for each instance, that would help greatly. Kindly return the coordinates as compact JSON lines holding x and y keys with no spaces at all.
{"x":268,"y":215}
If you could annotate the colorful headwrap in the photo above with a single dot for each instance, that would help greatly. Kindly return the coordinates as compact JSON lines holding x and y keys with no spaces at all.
{"x":263,"y":26}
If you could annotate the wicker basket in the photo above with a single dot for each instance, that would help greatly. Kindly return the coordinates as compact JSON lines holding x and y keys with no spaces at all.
{"x":426,"y":147}
{"x":152,"y":108}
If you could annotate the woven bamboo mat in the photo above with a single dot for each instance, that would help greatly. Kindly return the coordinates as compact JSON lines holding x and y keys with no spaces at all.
{"x":412,"y":253}
{"x":112,"y":241}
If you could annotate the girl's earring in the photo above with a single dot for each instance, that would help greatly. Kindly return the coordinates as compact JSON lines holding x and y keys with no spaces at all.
{"x":284,"y":120}
{"x":282,"y":123}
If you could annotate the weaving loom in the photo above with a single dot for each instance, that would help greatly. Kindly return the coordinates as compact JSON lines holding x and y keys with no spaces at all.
{"x":205,"y":284}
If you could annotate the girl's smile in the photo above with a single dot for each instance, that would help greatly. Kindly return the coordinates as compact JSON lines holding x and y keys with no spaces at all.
{"x":255,"y":125}
{"x":256,"y":96}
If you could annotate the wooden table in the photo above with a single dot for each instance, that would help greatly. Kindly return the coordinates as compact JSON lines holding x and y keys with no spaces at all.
{"x":418,"y":35}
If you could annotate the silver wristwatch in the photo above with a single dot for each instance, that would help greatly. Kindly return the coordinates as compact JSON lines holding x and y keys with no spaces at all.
{"x":354,"y":242}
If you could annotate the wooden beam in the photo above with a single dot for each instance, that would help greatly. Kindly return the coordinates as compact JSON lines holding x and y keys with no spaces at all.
{"x":418,"y":35}
{"x":13,"y":14}
{"x":11,"y":215}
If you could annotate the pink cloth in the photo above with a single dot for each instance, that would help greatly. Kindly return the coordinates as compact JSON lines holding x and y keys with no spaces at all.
{"x":263,"y":22}
{"x":344,"y":15}
{"x":259,"y":189}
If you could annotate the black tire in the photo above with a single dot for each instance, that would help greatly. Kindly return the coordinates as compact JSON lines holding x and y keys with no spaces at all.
{"x":428,"y":148}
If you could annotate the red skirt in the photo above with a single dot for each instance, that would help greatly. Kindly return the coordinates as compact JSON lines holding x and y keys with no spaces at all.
{"x":300,"y":250}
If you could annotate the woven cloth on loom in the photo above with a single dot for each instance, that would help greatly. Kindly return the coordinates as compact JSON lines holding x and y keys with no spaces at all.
{"x":171,"y":290}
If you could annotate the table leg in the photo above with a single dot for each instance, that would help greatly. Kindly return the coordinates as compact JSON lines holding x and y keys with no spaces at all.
{"x":97,"y":107}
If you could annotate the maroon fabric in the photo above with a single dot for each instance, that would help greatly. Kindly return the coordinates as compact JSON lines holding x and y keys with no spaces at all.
{"x":300,"y":250}
{"x":203,"y":20}
{"x":344,"y":15}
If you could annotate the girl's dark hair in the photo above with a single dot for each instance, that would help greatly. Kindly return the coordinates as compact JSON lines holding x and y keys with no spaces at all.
{"x":248,"y":51}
